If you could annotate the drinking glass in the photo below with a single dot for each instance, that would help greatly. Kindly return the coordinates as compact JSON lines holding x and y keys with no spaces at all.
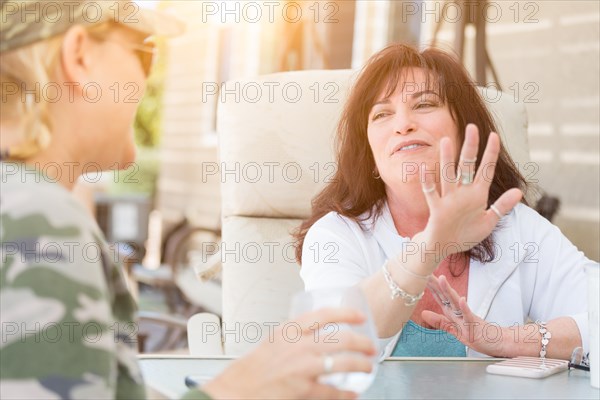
{"x":351,"y":297}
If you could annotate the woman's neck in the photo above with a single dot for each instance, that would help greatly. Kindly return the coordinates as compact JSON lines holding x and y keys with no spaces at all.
{"x":409,"y":210}
{"x":57,"y":168}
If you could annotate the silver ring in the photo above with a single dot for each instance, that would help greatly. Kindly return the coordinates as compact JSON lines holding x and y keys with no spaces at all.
{"x":429,"y":190}
{"x":446,"y":303}
{"x":496,"y":211}
{"x":466,"y":178}
{"x":327,"y":364}
{"x":458,"y":313}
{"x":469,"y":160}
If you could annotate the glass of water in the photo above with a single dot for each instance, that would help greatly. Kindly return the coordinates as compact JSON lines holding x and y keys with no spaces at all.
{"x":351,"y":297}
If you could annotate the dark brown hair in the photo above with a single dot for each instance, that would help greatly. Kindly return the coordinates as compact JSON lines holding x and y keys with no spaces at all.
{"x":353,"y":192}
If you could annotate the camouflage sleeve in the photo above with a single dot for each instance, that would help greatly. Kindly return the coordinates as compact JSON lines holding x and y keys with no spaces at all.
{"x":63,"y":335}
{"x":195,"y":394}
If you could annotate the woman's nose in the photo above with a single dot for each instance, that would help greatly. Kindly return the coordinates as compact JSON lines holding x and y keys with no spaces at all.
{"x":404,"y":123}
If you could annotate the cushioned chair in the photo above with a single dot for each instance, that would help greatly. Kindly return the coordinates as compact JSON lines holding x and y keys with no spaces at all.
{"x":276,"y":147}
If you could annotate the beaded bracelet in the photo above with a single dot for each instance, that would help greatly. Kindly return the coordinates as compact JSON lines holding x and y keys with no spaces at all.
{"x":546,"y":336}
{"x":409,"y":299}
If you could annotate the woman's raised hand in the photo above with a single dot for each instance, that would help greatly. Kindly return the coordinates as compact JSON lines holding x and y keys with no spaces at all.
{"x":459,"y":217}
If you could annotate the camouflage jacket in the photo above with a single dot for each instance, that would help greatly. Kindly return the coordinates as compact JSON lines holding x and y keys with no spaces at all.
{"x":68,"y":327}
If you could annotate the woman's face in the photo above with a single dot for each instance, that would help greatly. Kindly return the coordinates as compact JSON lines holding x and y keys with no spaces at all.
{"x":122,"y":80}
{"x":404,"y":131}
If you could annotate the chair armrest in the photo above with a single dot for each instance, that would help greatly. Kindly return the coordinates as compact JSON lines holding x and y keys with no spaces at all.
{"x":176,"y":242}
{"x":204,"y":335}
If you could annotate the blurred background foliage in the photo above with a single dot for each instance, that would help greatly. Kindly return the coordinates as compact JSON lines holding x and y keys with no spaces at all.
{"x":141,"y":178}
{"x":149,"y":115}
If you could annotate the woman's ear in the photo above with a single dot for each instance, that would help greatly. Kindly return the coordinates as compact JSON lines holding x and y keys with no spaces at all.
{"x":76,"y":56}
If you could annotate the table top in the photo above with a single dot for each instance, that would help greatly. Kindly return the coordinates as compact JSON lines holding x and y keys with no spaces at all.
{"x":398,"y":378}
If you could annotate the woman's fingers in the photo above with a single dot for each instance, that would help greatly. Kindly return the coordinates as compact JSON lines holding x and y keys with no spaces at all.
{"x":439,"y":321}
{"x":448,"y":291}
{"x":331,"y":339}
{"x":487,"y":167}
{"x":468,"y":156}
{"x":433,"y":319}
{"x":344,"y":362}
{"x":339,"y":354}
{"x":463,"y":173}
{"x":460,"y":311}
{"x":317,"y":319}
{"x":502,"y":206}
{"x":452,"y":297}
{"x":438,"y":294}
{"x":447,"y":166}
{"x":429,"y":187}
{"x":466,"y":310}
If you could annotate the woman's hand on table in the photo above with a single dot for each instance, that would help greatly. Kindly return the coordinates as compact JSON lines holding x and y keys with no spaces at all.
{"x":490,"y":338}
{"x":459,"y":214}
{"x":282,"y":367}
{"x":458,"y":320}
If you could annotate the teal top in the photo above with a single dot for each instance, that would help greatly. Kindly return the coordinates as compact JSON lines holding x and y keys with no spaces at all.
{"x":417,"y":341}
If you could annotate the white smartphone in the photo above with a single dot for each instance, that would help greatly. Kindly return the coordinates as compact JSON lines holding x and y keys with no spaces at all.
{"x":528,"y":367}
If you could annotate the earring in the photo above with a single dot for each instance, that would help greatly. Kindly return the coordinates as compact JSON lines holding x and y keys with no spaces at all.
{"x":375,"y":173}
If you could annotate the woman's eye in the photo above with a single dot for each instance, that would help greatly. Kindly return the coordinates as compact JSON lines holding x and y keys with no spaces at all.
{"x":378,"y":115}
{"x":425,"y":104}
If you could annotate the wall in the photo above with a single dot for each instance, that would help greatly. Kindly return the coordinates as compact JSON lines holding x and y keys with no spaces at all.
{"x":546,"y":54}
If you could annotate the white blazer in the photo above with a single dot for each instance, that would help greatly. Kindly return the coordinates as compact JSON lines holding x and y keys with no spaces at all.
{"x":537,"y":274}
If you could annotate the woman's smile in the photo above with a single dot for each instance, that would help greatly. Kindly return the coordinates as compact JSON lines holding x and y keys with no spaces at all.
{"x":410,"y":146}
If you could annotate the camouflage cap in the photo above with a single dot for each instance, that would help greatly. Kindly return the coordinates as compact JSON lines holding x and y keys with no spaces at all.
{"x":25,"y":21}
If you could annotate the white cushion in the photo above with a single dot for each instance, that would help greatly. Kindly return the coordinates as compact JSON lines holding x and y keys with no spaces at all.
{"x":259,"y":277}
{"x":288,"y":134}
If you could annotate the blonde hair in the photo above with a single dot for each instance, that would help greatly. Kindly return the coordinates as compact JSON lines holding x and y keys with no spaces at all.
{"x":25,"y":74}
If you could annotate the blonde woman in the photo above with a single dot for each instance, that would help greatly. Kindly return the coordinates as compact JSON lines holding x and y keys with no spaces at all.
{"x":67,"y":318}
